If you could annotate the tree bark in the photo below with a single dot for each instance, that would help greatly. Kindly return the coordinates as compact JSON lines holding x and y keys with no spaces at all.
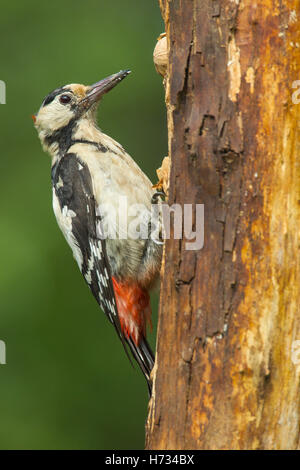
{"x":226,"y":374}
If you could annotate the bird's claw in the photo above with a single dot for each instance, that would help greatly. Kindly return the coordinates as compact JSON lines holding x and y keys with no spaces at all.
{"x":156,"y":196}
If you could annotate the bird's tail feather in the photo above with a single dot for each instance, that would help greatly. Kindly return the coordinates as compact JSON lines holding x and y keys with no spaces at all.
{"x":144,"y":357}
{"x":134,"y":311}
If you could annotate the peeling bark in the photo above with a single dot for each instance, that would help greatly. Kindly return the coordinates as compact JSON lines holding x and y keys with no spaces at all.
{"x":224,"y":376}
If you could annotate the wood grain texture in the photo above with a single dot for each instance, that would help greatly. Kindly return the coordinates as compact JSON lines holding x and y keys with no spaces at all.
{"x":224,"y":376}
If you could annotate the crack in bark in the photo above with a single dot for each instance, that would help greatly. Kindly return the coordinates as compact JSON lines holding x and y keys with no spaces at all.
{"x":181,"y":95}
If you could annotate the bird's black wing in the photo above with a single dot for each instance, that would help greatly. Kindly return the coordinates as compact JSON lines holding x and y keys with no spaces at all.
{"x":78,"y":220}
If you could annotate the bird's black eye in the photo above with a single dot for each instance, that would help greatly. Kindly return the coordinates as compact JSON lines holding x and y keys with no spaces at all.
{"x":64,"y":99}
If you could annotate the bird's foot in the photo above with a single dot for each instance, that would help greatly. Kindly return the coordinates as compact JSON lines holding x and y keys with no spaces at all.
{"x":158,"y":194}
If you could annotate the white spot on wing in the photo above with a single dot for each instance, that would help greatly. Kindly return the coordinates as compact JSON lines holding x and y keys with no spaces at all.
{"x":60,"y":183}
{"x":66,"y":212}
{"x":88,"y":274}
{"x":64,"y":220}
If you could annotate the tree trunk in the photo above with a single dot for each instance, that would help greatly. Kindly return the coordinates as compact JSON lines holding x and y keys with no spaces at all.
{"x":227,"y":365}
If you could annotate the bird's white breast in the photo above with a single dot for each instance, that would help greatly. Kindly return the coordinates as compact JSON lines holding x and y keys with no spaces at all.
{"x":119,"y":184}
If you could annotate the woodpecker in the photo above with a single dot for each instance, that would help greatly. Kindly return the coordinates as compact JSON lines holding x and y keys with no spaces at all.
{"x":90,"y":173}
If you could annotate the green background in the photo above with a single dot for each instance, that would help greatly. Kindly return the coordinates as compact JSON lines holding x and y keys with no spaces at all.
{"x":67,"y":383}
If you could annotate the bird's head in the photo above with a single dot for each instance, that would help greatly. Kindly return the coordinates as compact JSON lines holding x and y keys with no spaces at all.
{"x":64,"y":107}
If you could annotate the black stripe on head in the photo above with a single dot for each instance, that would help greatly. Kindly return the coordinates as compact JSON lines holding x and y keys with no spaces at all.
{"x":53,"y":94}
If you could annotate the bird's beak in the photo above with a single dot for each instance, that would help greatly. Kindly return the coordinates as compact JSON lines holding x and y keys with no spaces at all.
{"x":99,"y":89}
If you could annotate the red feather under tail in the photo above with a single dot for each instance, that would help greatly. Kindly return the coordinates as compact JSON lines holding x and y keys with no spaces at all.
{"x":133,"y":303}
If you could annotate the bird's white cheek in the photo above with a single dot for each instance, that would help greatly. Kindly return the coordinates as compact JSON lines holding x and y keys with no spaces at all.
{"x":53,"y":117}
